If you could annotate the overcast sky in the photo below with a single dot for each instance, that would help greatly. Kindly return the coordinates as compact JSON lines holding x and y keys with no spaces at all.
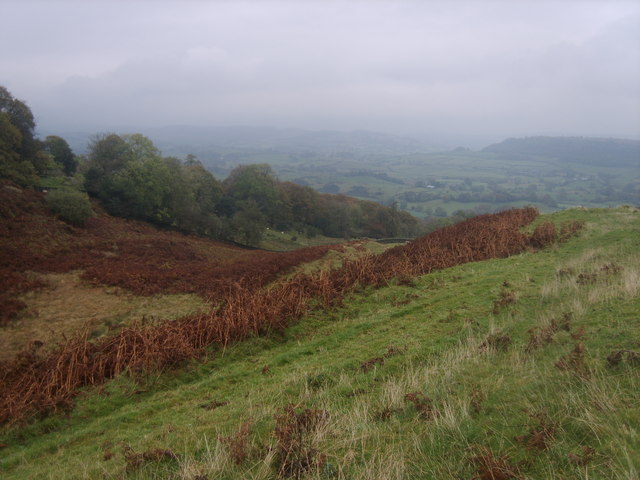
{"x":430,"y":68}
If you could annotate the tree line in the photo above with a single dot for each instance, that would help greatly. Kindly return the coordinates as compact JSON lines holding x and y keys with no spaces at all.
{"x":23,"y":157}
{"x":132,"y":179}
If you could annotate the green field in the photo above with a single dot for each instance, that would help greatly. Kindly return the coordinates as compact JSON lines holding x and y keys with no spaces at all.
{"x":457,"y":180}
{"x":524,"y":367}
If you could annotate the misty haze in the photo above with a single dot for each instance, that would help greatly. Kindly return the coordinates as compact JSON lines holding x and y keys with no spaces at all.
{"x":341,"y":239}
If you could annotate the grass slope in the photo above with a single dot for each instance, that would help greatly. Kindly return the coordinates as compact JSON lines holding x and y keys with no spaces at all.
{"x":495,"y":369}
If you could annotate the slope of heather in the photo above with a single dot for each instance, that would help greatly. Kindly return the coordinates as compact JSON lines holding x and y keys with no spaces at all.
{"x":41,"y":257}
{"x":36,"y":383}
{"x":128,"y":253}
{"x":512,"y":368}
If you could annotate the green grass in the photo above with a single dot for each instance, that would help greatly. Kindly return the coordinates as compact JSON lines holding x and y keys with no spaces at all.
{"x":433,"y":337}
{"x":568,"y":184}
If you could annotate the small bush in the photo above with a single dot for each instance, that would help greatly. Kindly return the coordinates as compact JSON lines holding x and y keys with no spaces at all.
{"x":71,"y":206}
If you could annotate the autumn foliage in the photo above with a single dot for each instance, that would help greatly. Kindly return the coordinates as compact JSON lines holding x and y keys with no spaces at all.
{"x":31,"y":384}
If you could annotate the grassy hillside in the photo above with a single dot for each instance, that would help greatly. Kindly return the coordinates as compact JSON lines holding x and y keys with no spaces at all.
{"x":524,"y":367}
{"x":56,"y":278}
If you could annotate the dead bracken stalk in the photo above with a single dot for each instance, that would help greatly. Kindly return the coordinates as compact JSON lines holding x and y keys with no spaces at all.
{"x":238,"y":443}
{"x":385,"y":413}
{"x":539,"y":436}
{"x":371,"y":363}
{"x":489,"y":466}
{"x":135,"y":461}
{"x":477,"y":397}
{"x":541,"y":336}
{"x":497,"y":342}
{"x":507,"y":297}
{"x":213,"y":405}
{"x":629,"y":357}
{"x":575,"y":362}
{"x":544,"y":234}
{"x":295,"y":450}
{"x":584,"y":457}
{"x":423,"y":405}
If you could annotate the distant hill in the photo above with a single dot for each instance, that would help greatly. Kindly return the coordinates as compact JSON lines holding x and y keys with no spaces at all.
{"x":605,"y":152}
{"x":286,"y":139}
{"x":183,"y":139}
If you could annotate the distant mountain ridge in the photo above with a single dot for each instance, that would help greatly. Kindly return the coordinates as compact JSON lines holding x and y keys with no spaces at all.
{"x":183,"y":139}
{"x":286,"y":139}
{"x":607,"y":152}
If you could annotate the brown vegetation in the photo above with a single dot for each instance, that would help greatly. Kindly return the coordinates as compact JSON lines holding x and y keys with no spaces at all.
{"x":540,"y":436}
{"x":33,"y":383}
{"x":135,"y":461}
{"x":496,"y":342}
{"x":489,"y":466}
{"x":584,"y":457}
{"x":238,"y":443}
{"x":422,"y":404}
{"x":371,"y":363}
{"x":127,"y":253}
{"x":294,"y":431}
{"x":68,"y":305}
{"x":617,"y":357}
{"x":477,"y":397}
{"x":575,"y":362}
{"x":540,"y":336}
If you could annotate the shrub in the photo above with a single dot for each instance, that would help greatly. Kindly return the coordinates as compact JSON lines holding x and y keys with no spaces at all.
{"x":72,"y":206}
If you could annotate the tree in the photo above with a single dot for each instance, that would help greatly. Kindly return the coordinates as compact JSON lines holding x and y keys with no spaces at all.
{"x":62,"y":154}
{"x":248,"y":223}
{"x":20,"y":152}
{"x":255,"y":183}
{"x":207,"y":190}
{"x":10,"y":140}
{"x":70,"y":205}
{"x":140,"y":147}
{"x":108,"y":154}
{"x":303,"y":203}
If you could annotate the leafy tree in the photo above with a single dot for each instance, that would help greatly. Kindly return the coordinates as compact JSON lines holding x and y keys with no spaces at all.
{"x":11,"y":164}
{"x":108,"y":154}
{"x":256,"y":183}
{"x":62,"y":154}
{"x":20,"y":154}
{"x":207,"y":190}
{"x":70,"y":205}
{"x":248,"y":223}
{"x":133,"y":180}
{"x":303,"y":203}
{"x":139,"y":189}
{"x":140,"y":147}
{"x":198,"y":205}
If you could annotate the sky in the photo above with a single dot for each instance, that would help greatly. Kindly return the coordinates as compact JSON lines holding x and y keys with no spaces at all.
{"x":454,"y":70}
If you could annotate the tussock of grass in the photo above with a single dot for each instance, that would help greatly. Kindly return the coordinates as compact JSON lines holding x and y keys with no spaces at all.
{"x":480,"y":403}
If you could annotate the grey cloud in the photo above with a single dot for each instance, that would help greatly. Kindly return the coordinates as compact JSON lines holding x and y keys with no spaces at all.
{"x":406,"y":67}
